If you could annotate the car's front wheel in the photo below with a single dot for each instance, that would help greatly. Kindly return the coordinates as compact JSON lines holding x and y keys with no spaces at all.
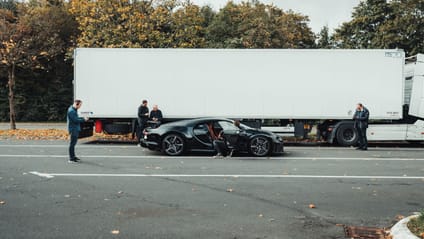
{"x":173,"y":145}
{"x":260,"y":146}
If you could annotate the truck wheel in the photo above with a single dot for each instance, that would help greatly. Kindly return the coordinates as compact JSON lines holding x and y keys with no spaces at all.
{"x":259,"y":146}
{"x":347,"y":135}
{"x":173,"y":145}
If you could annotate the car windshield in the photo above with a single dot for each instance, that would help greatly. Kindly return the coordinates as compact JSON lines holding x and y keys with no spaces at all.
{"x":245,"y":127}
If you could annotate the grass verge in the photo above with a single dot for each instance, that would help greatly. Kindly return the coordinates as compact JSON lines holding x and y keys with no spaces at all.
{"x":416,"y":225}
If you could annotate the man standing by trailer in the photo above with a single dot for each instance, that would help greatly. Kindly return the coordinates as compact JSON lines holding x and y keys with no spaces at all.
{"x":74,"y":128}
{"x":143,"y":117}
{"x":361,"y":124}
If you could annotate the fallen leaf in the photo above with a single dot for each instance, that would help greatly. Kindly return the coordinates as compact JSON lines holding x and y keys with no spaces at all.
{"x":230,"y":190}
{"x":260,"y":215}
{"x":399,"y":217}
{"x":2,"y":202}
{"x":115,"y":232}
{"x":312,"y":205}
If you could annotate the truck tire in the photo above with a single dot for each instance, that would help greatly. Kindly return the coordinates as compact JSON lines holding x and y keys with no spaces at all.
{"x":347,"y":135}
{"x":116,"y":128}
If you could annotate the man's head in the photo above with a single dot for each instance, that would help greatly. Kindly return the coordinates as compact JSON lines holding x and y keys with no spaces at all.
{"x":77,"y":104}
{"x":144,"y":102}
{"x":359,"y":106}
{"x":237,"y":123}
{"x":155,"y":108}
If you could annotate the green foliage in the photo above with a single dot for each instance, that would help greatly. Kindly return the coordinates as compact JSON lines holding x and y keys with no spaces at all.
{"x":10,"y":5}
{"x":256,"y":25}
{"x":416,"y":225}
{"x":324,"y":39}
{"x":385,"y":24}
{"x":33,"y":44}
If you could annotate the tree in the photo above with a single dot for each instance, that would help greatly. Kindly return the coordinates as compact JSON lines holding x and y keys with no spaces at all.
{"x":367,"y":18}
{"x":295,"y":31}
{"x":384,"y":24}
{"x":12,"y":53}
{"x":256,"y":25}
{"x":30,"y":40}
{"x":10,"y":5}
{"x":324,"y":40}
{"x":405,"y":29}
{"x":188,"y":27}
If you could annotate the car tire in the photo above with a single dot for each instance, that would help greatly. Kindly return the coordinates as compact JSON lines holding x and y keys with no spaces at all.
{"x":260,"y":146}
{"x":347,"y":135}
{"x":173,"y":144}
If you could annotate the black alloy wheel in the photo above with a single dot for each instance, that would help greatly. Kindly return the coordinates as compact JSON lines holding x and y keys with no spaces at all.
{"x":173,"y":145}
{"x":260,"y":146}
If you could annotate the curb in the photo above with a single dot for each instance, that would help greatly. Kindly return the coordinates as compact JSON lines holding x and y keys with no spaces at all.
{"x":400,"y":229}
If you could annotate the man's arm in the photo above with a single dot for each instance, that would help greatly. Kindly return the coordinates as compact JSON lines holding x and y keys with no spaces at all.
{"x":159,"y":116}
{"x":140,"y":112}
{"x":73,"y":117}
{"x":145,"y":112}
{"x":364,"y":116}
{"x":355,"y":116}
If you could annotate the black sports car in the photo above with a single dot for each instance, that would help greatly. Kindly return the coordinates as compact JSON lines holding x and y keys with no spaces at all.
{"x":195,"y":136}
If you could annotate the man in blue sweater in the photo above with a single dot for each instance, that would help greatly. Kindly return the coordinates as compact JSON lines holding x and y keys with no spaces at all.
{"x":74,"y":128}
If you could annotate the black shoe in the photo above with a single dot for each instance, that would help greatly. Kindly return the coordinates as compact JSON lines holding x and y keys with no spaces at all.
{"x":358,"y":148}
{"x":77,"y":159}
{"x":364,"y":149}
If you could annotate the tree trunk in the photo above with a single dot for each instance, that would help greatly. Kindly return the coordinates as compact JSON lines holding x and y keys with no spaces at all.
{"x":11,"y":84}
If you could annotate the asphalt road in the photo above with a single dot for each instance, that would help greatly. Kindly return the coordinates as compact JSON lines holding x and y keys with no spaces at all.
{"x":121,"y":191}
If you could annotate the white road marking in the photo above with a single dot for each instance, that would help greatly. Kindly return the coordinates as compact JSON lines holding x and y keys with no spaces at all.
{"x":43,"y":175}
{"x":209,"y":157}
{"x":51,"y":175}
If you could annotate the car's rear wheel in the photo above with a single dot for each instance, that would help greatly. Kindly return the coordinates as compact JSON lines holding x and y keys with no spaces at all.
{"x":260,"y":146}
{"x":173,"y":144}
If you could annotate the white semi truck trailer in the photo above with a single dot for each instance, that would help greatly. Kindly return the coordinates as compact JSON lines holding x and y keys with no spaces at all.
{"x":286,"y":91}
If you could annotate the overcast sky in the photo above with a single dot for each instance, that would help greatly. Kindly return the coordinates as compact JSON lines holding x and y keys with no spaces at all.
{"x":320,"y":12}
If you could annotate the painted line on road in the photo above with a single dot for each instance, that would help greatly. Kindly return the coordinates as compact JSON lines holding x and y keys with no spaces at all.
{"x":51,"y":175}
{"x":209,"y":157}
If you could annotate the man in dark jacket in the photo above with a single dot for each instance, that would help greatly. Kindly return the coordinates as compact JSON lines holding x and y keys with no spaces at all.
{"x":143,"y":117}
{"x":74,"y":128}
{"x":155,"y":116}
{"x":361,"y":124}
